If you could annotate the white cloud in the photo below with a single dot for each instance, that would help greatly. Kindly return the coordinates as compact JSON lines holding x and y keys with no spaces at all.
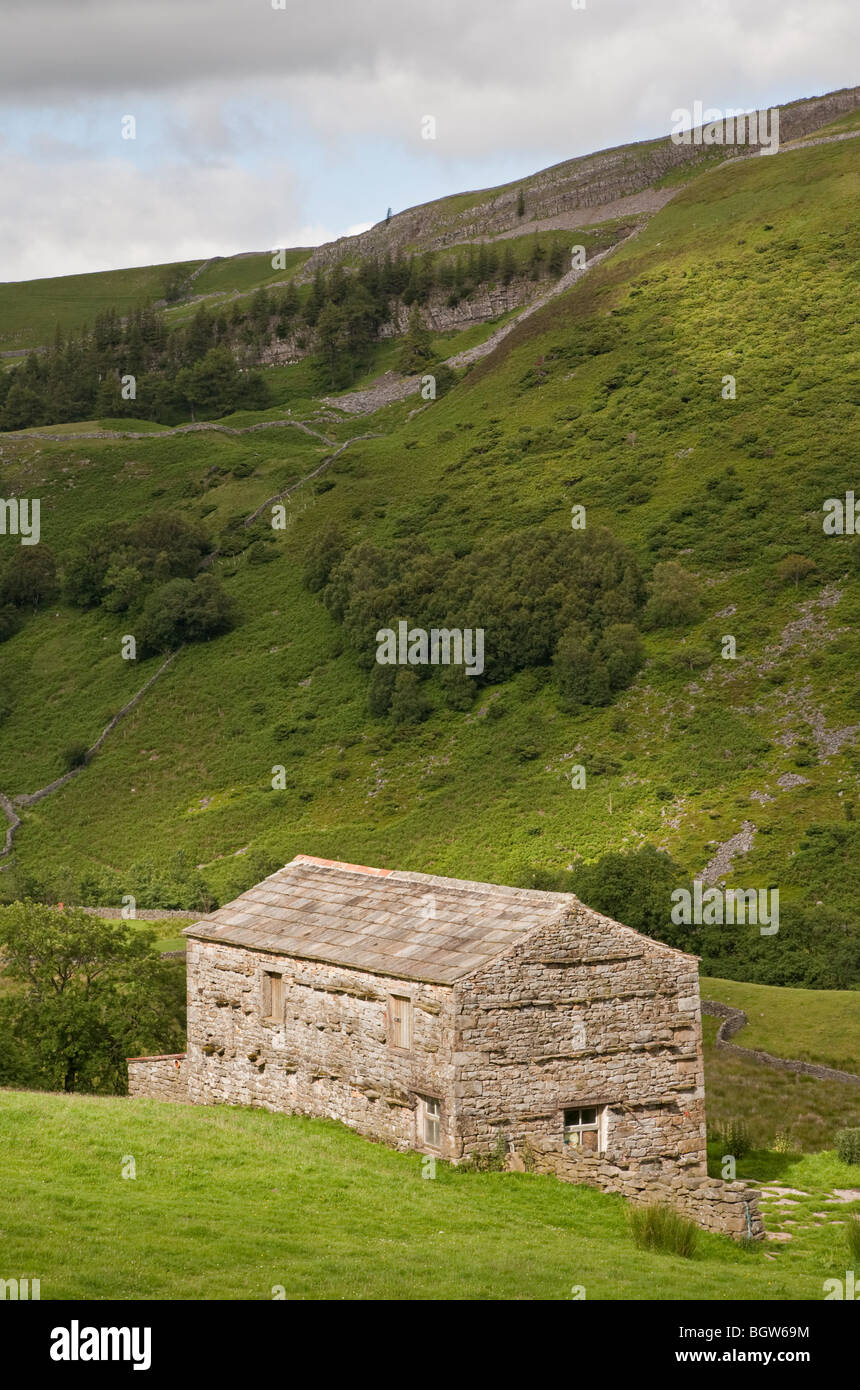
{"x":100,"y":215}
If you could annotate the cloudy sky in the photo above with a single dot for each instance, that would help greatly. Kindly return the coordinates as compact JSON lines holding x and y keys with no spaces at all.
{"x":265,"y":123}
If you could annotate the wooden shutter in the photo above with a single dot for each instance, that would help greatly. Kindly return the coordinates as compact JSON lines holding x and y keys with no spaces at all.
{"x":399,"y":1021}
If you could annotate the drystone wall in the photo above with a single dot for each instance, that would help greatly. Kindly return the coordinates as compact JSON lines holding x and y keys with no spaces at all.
{"x":329,"y":1056}
{"x":164,"y":1077}
{"x":735,"y":1019}
{"x":728,"y":1208}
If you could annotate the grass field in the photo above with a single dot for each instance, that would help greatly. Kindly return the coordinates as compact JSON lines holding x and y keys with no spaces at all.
{"x":230,"y":1203}
{"x":808,"y":1111}
{"x":30,"y":310}
{"x":810,"y":1025}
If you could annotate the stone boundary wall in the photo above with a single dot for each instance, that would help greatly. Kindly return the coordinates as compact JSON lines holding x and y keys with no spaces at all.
{"x":727,"y":1208}
{"x":162,"y":1077}
{"x":735,"y":1019}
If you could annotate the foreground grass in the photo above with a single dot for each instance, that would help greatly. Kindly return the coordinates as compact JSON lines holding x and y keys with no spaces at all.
{"x":228,"y":1203}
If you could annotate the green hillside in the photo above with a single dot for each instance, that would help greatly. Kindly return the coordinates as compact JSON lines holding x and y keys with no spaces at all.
{"x":31,"y":310}
{"x":219,"y":1201}
{"x":808,"y":1025}
{"x":609,"y":398}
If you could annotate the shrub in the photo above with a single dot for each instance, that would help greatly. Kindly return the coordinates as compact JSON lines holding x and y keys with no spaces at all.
{"x":674,"y":600}
{"x":794,"y":568}
{"x":74,"y":756}
{"x":528,"y":1156}
{"x":848,"y":1145}
{"x":9,"y":621}
{"x":659,"y":1227}
{"x":445,"y":378}
{"x":185,"y":610}
{"x":493,"y":1162}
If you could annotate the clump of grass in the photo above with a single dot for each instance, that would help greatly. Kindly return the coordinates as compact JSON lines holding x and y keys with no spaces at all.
{"x":658,"y":1227}
{"x":493,"y":1162}
{"x":852,"y":1235}
{"x":735,"y":1137}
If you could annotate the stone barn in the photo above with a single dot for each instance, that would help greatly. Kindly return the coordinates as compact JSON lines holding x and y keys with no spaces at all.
{"x":435,"y":1014}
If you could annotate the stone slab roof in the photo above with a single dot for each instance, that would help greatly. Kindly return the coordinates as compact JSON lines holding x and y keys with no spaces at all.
{"x":414,"y":926}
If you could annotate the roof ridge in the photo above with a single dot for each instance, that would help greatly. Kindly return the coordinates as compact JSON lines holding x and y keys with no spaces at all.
{"x":335,"y":864}
{"x":438,"y":880}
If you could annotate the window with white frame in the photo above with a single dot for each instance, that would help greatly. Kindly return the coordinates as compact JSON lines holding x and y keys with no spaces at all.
{"x":430,"y":1120}
{"x":585,"y":1128}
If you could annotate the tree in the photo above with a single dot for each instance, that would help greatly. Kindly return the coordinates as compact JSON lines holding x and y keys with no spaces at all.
{"x":30,"y":576}
{"x":634,"y":887}
{"x":24,"y":406}
{"x":521,"y":203}
{"x":555,"y":260}
{"x":580,"y":671}
{"x":622,"y":652}
{"x":91,"y":993}
{"x":794,"y":568}
{"x":213,"y":385}
{"x":185,"y":610}
{"x":409,"y":704}
{"x":325,"y":551}
{"x":416,"y":350}
{"x":674,"y":600}
{"x":380,"y":690}
{"x":334,"y":345}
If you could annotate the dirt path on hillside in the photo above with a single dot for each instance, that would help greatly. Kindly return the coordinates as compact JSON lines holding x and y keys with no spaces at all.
{"x":648,"y":201}
{"x":393,"y":387}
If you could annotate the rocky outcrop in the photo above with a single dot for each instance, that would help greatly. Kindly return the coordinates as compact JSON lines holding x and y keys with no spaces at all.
{"x":590,"y":187}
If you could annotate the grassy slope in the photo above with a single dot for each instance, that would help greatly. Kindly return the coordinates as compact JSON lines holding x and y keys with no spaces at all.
{"x":769,"y":1101}
{"x":810,"y":1025}
{"x":31,"y":309}
{"x":211,"y":1180}
{"x":714,"y":284}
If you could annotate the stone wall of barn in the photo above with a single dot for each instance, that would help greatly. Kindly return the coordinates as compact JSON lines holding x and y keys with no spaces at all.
{"x":584,"y":1013}
{"x":164,"y":1077}
{"x":329,"y":1057}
